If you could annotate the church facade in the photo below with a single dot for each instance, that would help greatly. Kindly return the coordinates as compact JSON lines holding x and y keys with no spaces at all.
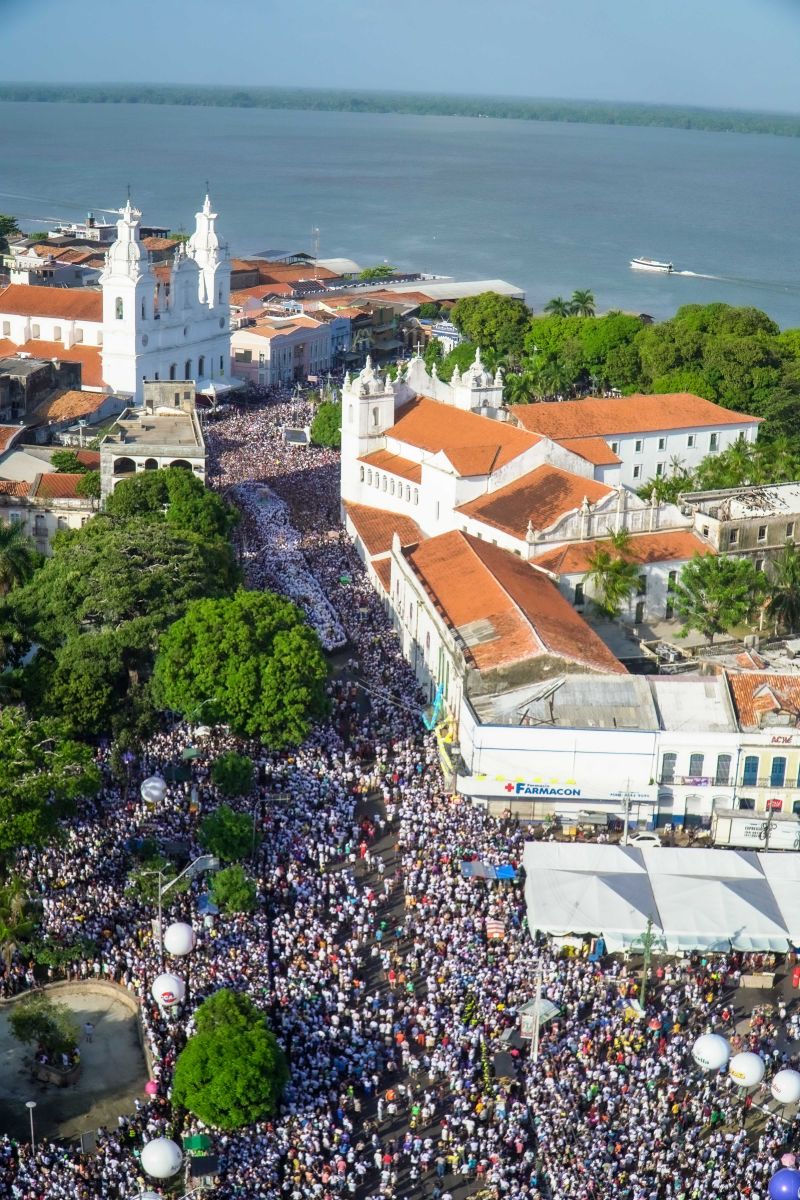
{"x":147,"y":322}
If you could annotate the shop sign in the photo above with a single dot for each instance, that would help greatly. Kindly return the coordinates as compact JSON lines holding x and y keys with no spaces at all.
{"x":541,"y":789}
{"x":775,"y":805}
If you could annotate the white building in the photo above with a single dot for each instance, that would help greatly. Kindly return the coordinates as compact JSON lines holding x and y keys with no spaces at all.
{"x":164,"y":432}
{"x":138,"y":326}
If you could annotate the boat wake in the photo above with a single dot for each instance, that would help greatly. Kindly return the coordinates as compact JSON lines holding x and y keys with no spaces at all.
{"x":768,"y":285}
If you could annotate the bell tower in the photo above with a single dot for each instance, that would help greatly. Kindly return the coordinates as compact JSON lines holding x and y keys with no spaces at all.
{"x":212,"y":257}
{"x":128,"y":286}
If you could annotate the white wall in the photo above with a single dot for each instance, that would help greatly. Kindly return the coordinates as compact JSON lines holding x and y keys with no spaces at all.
{"x":675,"y":445}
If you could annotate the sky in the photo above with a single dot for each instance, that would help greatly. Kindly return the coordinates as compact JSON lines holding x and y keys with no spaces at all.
{"x":715,"y":53}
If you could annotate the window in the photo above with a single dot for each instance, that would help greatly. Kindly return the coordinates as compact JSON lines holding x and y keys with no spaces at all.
{"x":416,"y":495}
{"x":746,"y":804}
{"x":6,"y":329}
{"x":187,"y":369}
{"x":385,"y":483}
{"x":437,"y":510}
{"x":408,"y":493}
{"x":99,"y":337}
{"x":579,"y":597}
{"x":391,"y":488}
{"x":777,"y":773}
{"x":660,"y":468}
{"x":221,"y":368}
{"x":377,"y":480}
{"x":790,"y":530}
{"x":641,"y":586}
{"x":375,"y":418}
{"x":56,"y":333}
{"x":369,"y":478}
{"x":672,"y":579}
{"x":704,"y":531}
{"x":615,"y":447}
{"x":35,"y":331}
{"x":201,"y":365}
{"x":15,"y":519}
{"x":637,"y":471}
{"x":733,"y":537}
{"x":669,"y":611}
{"x":796,"y":808}
{"x":759,"y":564}
{"x":219,"y":296}
{"x":173,"y":369}
{"x":696,"y":765}
{"x":78,"y":335}
{"x":63,"y":523}
{"x":638,"y":446}
{"x":750,"y":772}
{"x":662,"y":443}
{"x":723,"y":772}
{"x":762,"y":533}
{"x":361,"y":474}
{"x":668,"y":762}
{"x":713,"y":442}
{"x":144,"y":314}
{"x":119,"y":308}
{"x":690,"y":441}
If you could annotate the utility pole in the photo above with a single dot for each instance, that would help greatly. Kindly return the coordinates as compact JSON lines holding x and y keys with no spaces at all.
{"x":648,"y":940}
{"x":626,"y":804}
{"x":537,"y":1013}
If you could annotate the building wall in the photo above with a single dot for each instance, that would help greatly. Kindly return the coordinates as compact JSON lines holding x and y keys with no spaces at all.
{"x":647,"y":455}
{"x":42,"y":519}
{"x":282,"y":359}
{"x":655,"y":596}
{"x":50,"y":329}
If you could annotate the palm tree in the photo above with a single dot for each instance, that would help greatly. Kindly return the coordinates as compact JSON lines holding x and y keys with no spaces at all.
{"x":783,"y":605}
{"x":558,"y":307}
{"x":15,"y":925}
{"x":613,"y":579}
{"x":582,"y":303}
{"x":519,"y":388}
{"x":18,"y":557}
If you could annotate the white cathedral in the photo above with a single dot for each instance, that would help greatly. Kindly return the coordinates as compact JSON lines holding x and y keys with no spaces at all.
{"x":145,"y":323}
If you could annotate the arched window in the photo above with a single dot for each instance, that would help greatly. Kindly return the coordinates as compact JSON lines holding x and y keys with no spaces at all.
{"x":416,"y":495}
{"x":144,"y":314}
{"x":182,"y":463}
{"x":201,"y":365}
{"x":391,"y":488}
{"x":219,"y":296}
{"x":350,"y":414}
{"x":187,"y":369}
{"x":119,"y":308}
{"x":124,"y":466}
{"x":221,"y":368}
{"x":408,"y":493}
{"x":384,"y":483}
{"x":362,"y":474}
{"x":375,"y":417}
{"x":369,"y":478}
{"x":150,"y":464}
{"x":173,"y":370}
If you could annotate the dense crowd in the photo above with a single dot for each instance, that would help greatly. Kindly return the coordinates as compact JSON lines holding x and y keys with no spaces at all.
{"x":369,"y":949}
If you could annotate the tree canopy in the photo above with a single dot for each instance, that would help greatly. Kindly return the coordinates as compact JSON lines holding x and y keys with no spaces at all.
{"x":175,"y":496}
{"x":233,"y":891}
{"x":232,"y":773}
{"x":714,"y":594}
{"x":232,"y":1071}
{"x":251,"y":660}
{"x":227,"y":834}
{"x":326,"y":428}
{"x":493,"y":322}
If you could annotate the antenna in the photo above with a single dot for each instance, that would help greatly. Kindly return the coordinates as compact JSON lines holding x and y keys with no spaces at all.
{"x":315,"y":247}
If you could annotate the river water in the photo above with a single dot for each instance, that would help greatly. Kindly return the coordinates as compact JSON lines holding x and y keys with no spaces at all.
{"x":550,"y":207}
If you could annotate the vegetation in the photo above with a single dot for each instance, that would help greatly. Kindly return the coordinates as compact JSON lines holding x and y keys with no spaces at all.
{"x":584,"y":112}
{"x":326,"y":428}
{"x":611,"y":575}
{"x":8,"y":228}
{"x":493,"y":322}
{"x":142,"y":881}
{"x":36,"y":1020}
{"x":232,"y":1071}
{"x":377,"y":274}
{"x":251,"y":660}
{"x":67,"y":462}
{"x":89,"y":485}
{"x":227,"y":834}
{"x":233,"y":891}
{"x":783,"y":605}
{"x":19,"y":557}
{"x":232,"y":773}
{"x":715,"y":594}
{"x":16,"y":924}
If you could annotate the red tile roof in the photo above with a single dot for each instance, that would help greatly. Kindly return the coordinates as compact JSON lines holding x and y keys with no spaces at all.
{"x":542,"y":497}
{"x":14,"y":487}
{"x":376,"y":528}
{"x":382,"y":460}
{"x":8,"y":435}
{"x":383,"y":569}
{"x":68,"y":406}
{"x":677,"y":545}
{"x":73,"y":304}
{"x":472,"y":583}
{"x":87,"y":356}
{"x":761,"y":692}
{"x":56,"y":486}
{"x":475,"y":445}
{"x":600,"y":417}
{"x":593,"y":449}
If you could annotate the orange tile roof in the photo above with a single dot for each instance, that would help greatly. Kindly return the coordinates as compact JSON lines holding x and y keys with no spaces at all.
{"x":159,"y":243}
{"x":677,"y":545}
{"x":73,"y":304}
{"x":376,"y":528}
{"x":87,"y":356}
{"x":14,"y":487}
{"x":56,"y":486}
{"x":89,"y":458}
{"x":383,"y":569}
{"x":470,"y":581}
{"x":8,"y":435}
{"x":598,"y":417}
{"x":240,"y":295}
{"x":757,"y":692}
{"x":593,"y":449}
{"x":72,"y":404}
{"x":475,"y":445}
{"x":382,"y":460}
{"x":542,"y":497}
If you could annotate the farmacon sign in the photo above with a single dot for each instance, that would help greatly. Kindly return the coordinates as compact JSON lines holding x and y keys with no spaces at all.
{"x":541,"y":789}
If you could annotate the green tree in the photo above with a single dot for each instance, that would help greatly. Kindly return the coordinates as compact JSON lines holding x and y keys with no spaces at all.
{"x":16,"y":924}
{"x":176,"y":497}
{"x":232,"y":1072}
{"x":612,"y":577}
{"x":66,"y":462}
{"x":582,"y":303}
{"x":326,"y":428}
{"x":227,"y":834}
{"x":519,"y":388}
{"x":142,"y":881}
{"x":493,"y":322}
{"x":233,"y":891}
{"x":558,"y":307}
{"x":251,"y":660}
{"x":37,"y":1020}
{"x":715,"y":594}
{"x":783,"y":588}
{"x":378,"y":273}
{"x":42,"y":774}
{"x":8,"y":228}
{"x":19,"y":557}
{"x":89,"y":485}
{"x":232,"y":773}
{"x":429,"y":311}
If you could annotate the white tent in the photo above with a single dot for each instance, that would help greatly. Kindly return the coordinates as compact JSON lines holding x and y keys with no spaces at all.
{"x":782,"y":872}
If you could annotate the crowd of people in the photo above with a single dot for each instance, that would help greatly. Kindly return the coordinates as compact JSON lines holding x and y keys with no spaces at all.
{"x":369,"y":951}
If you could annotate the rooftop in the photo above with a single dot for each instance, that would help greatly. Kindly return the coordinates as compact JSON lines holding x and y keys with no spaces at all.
{"x":8,"y":434}
{"x":451,"y":290}
{"x":670,"y":546}
{"x":73,"y":304}
{"x":382,"y":460}
{"x":376,"y":528}
{"x":68,"y":406}
{"x":56,"y":486}
{"x":474,"y":445}
{"x":574,"y":702}
{"x":88,"y":356}
{"x":542,"y":497}
{"x":141,"y":428}
{"x":737,"y":504}
{"x":693,"y":702}
{"x":764,"y":699}
{"x":599,"y":417}
{"x":504,"y":610}
{"x":593,"y":450}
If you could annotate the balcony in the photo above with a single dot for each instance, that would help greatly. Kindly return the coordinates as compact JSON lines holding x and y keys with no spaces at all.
{"x":695,"y":781}
{"x":766,"y":781}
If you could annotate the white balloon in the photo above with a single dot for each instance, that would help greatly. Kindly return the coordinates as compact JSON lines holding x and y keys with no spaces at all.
{"x":148,"y":1196}
{"x":711,"y":1052}
{"x":168,"y":989}
{"x":153,"y":790}
{"x":179,"y":939}
{"x":785,"y":1087}
{"x":746,"y":1069}
{"x":161,"y":1158}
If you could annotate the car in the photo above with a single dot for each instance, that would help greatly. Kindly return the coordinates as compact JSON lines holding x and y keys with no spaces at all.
{"x":644,"y":840}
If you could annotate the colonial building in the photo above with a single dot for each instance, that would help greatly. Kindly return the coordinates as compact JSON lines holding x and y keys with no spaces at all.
{"x":275,"y":351}
{"x":164,"y":432}
{"x":748,"y":522}
{"x":143,"y":323}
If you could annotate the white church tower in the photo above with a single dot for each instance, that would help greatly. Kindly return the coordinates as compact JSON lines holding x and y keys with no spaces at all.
{"x":212,"y":257}
{"x":128,"y":285}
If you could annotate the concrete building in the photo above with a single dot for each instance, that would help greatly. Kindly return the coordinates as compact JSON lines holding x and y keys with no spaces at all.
{"x":768,"y":766}
{"x":747,"y":522}
{"x":47,"y":504}
{"x":165,"y":432}
{"x":277,"y":351}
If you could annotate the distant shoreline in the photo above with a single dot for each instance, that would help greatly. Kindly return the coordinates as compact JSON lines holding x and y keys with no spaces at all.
{"x":413,"y":104}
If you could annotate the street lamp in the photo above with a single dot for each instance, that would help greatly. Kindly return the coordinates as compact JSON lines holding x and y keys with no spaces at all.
{"x":31,"y":1105}
{"x":206,"y":862}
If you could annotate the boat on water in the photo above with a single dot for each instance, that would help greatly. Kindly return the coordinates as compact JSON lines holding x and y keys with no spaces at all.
{"x":651,"y":264}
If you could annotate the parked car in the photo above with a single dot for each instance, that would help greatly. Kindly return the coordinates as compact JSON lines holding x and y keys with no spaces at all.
{"x":643,"y":840}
